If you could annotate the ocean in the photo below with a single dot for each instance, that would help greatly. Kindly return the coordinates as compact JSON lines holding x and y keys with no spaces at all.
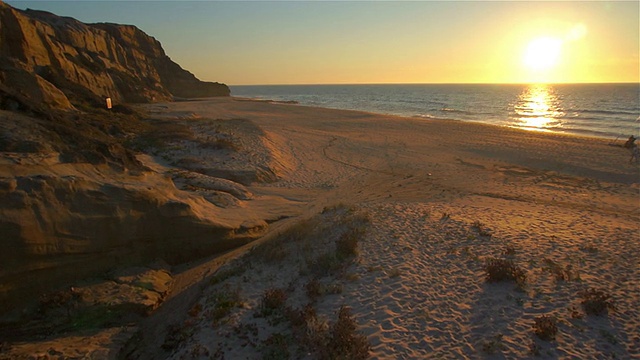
{"x":596,"y":110}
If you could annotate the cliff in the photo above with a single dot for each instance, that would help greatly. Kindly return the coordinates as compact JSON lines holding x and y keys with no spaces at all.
{"x":58,"y":62}
{"x":75,"y":200}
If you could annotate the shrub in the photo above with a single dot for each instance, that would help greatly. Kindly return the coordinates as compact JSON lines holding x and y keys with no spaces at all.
{"x":344,"y":342}
{"x":273,"y":301}
{"x":504,"y":270}
{"x":545,"y":327}
{"x":596,"y":302}
{"x":223,"y":303}
{"x":347,"y":245}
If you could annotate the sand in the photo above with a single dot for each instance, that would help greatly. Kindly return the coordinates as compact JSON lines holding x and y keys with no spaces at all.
{"x":564,"y":209}
{"x":429,"y":202}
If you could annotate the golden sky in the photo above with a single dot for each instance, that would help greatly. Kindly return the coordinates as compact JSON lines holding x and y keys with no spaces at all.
{"x":296,"y":42}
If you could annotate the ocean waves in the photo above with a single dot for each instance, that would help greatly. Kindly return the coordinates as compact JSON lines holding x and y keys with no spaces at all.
{"x":601,"y":110}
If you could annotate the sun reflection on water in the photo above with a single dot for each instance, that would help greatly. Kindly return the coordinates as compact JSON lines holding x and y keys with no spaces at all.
{"x":537,"y":108}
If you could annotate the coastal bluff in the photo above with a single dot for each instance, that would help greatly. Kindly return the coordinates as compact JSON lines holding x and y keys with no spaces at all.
{"x":60,"y":62}
{"x":80,"y":196}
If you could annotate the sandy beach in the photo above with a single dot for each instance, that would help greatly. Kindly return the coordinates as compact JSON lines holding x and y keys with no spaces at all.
{"x":394,"y":220}
{"x":433,"y":201}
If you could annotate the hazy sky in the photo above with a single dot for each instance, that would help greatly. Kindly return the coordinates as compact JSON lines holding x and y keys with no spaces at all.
{"x":304,"y":42}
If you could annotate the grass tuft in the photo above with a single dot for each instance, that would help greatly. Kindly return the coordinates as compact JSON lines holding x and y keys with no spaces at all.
{"x":504,"y":270}
{"x":596,"y":302}
{"x":344,"y":342}
{"x":273,"y":301}
{"x":545,"y":327}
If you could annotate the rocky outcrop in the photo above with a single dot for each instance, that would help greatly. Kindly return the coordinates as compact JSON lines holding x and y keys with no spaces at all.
{"x":64,"y":225}
{"x":52,"y":61}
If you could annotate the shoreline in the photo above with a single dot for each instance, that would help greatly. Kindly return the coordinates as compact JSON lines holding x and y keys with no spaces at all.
{"x":550,"y":109}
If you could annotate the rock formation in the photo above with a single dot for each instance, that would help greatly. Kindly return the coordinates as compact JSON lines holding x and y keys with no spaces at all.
{"x":58,"y":62}
{"x":75,"y":201}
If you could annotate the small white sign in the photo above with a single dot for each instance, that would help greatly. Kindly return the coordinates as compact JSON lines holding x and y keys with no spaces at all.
{"x":108,"y":103}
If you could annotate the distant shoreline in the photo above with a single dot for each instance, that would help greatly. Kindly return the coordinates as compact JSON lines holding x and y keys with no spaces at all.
{"x":606,"y":111}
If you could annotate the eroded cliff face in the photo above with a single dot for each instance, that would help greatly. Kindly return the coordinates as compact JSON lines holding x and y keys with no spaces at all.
{"x":75,"y":201}
{"x":52,"y":61}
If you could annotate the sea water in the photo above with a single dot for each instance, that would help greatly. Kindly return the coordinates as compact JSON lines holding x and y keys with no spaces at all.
{"x":598,"y":110}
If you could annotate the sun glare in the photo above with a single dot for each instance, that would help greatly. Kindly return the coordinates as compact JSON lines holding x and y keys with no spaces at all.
{"x":542,"y":53}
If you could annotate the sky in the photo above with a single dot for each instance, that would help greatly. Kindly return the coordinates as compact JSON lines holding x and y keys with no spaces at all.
{"x":374,"y":42}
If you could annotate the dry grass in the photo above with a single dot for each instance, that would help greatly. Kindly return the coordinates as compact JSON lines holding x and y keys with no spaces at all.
{"x":481,"y":229}
{"x":596,"y":302}
{"x":545,"y":327}
{"x":223,"y":303}
{"x":560,"y":273}
{"x":504,"y":270}
{"x":343,"y":341}
{"x":273,"y":300}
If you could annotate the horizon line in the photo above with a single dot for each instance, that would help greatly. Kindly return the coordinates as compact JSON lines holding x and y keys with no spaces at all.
{"x":447,"y":83}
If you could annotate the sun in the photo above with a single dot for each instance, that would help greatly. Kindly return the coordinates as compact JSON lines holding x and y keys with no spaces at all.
{"x":542,"y":54}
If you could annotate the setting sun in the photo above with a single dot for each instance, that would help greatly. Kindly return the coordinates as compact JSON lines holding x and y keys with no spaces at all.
{"x":542,"y":53}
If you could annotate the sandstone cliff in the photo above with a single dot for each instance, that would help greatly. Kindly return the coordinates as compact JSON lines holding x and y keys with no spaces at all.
{"x":75,"y":201}
{"x":57,"y":62}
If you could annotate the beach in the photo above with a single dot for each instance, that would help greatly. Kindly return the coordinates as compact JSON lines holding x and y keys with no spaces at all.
{"x":438,"y":198}
{"x":394,"y":220}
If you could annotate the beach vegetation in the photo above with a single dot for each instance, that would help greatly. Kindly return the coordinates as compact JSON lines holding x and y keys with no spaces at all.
{"x":222,"y":304}
{"x":347,"y":244}
{"x":497,"y":270}
{"x":343,"y":341}
{"x":493,"y":344}
{"x":220,"y":143}
{"x":273,"y":301}
{"x":223,"y":274}
{"x":561,"y":273}
{"x":276,"y":347}
{"x":596,"y":301}
{"x":325,"y":264}
{"x":481,"y":229}
{"x":545,"y":327}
